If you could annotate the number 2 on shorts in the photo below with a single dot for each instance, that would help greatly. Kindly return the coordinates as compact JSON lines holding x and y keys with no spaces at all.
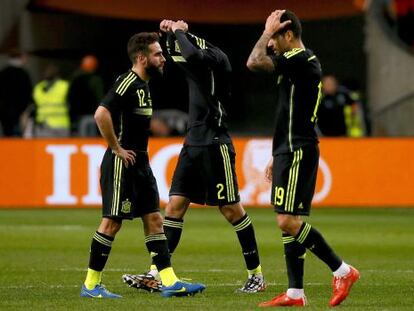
{"x":220,"y":188}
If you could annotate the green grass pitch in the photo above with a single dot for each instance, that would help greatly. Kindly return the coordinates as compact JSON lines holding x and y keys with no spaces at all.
{"x":44,"y":255}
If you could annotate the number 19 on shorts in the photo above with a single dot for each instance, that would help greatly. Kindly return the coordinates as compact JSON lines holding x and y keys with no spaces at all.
{"x":279,"y":196}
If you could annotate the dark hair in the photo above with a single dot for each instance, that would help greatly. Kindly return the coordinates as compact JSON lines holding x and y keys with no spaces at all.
{"x":295,"y":25}
{"x":139,"y":43}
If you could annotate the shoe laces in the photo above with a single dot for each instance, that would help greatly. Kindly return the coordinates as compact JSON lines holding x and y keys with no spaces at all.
{"x":338,"y":282}
{"x":103,"y":288}
{"x":253,"y":282}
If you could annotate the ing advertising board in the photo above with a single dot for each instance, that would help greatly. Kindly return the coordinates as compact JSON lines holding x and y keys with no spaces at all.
{"x":65,"y":172}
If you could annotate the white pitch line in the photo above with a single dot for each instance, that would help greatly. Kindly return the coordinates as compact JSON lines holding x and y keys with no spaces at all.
{"x":45,"y":227}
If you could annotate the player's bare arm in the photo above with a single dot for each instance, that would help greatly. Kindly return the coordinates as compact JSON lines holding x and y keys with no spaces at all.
{"x":269,"y":171}
{"x":258,"y":59}
{"x":104,"y":121}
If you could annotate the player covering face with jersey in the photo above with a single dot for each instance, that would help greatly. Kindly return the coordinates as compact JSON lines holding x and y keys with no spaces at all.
{"x":205,"y":172}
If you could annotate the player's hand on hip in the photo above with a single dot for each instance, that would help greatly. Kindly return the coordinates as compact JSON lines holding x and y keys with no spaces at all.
{"x":273,"y":23}
{"x":269,"y":171}
{"x":179,"y":25}
{"x":127,"y":156}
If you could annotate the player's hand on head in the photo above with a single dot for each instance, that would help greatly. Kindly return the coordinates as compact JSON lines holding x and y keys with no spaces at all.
{"x":165,"y":25}
{"x":179,"y":25}
{"x":127,"y":156}
{"x":273,"y":23}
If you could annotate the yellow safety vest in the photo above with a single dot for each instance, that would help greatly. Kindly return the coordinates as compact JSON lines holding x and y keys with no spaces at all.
{"x":51,"y":107}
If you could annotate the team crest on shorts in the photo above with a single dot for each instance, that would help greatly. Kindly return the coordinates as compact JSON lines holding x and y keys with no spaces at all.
{"x":126,"y":207}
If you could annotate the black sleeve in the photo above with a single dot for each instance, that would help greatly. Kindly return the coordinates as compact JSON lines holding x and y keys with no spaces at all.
{"x":112,"y":101}
{"x":205,"y":52}
{"x":165,"y":40}
{"x":188,"y":50}
{"x":281,"y":64}
{"x":291,"y":64}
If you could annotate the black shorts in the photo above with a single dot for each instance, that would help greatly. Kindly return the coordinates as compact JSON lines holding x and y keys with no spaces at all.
{"x":294,"y":180}
{"x":130,"y":192}
{"x":207,"y":175}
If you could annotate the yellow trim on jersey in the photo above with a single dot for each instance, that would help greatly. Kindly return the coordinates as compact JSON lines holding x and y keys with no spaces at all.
{"x":128,"y":76}
{"x":293,"y":180}
{"x":279,"y":79}
{"x":117,"y":185}
{"x":312,"y":57}
{"x":178,"y":59}
{"x":292,"y":92}
{"x":143,"y":111}
{"x":228,"y":173}
{"x":293,"y":52}
{"x":201,"y":42}
{"x":131,"y":77}
{"x":318,"y":101}
{"x":121,"y":126}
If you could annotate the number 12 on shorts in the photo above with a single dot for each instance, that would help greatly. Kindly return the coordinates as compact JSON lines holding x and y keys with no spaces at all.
{"x":279,"y":196}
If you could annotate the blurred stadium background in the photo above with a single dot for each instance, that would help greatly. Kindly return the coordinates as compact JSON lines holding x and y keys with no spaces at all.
{"x":49,"y":194}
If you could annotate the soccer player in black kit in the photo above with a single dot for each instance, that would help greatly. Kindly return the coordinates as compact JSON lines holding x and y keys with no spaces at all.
{"x":129,"y":189}
{"x":205,"y":172}
{"x":295,"y":154}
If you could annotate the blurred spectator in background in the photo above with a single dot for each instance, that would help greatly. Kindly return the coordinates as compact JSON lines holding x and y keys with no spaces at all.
{"x":169,"y":122}
{"x":51,"y":113}
{"x":160,"y":128}
{"x":85,"y":93}
{"x":339,"y":114}
{"x":15,"y":93}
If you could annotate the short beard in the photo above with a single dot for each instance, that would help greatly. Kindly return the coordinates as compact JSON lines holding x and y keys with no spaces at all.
{"x":154,"y":72}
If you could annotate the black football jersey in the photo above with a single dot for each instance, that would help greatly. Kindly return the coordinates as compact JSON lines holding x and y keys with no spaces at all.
{"x":207,"y":70}
{"x":298,"y":74}
{"x":130,"y":104}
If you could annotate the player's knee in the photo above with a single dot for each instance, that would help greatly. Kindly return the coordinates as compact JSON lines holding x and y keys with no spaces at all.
{"x":176,"y":207}
{"x":156,"y":222}
{"x":153,"y":223}
{"x":110,"y":226}
{"x":232,"y":212}
{"x":288,"y":223}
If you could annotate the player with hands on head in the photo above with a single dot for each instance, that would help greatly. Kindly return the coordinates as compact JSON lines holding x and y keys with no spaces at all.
{"x":205,"y":172}
{"x":295,"y":152}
